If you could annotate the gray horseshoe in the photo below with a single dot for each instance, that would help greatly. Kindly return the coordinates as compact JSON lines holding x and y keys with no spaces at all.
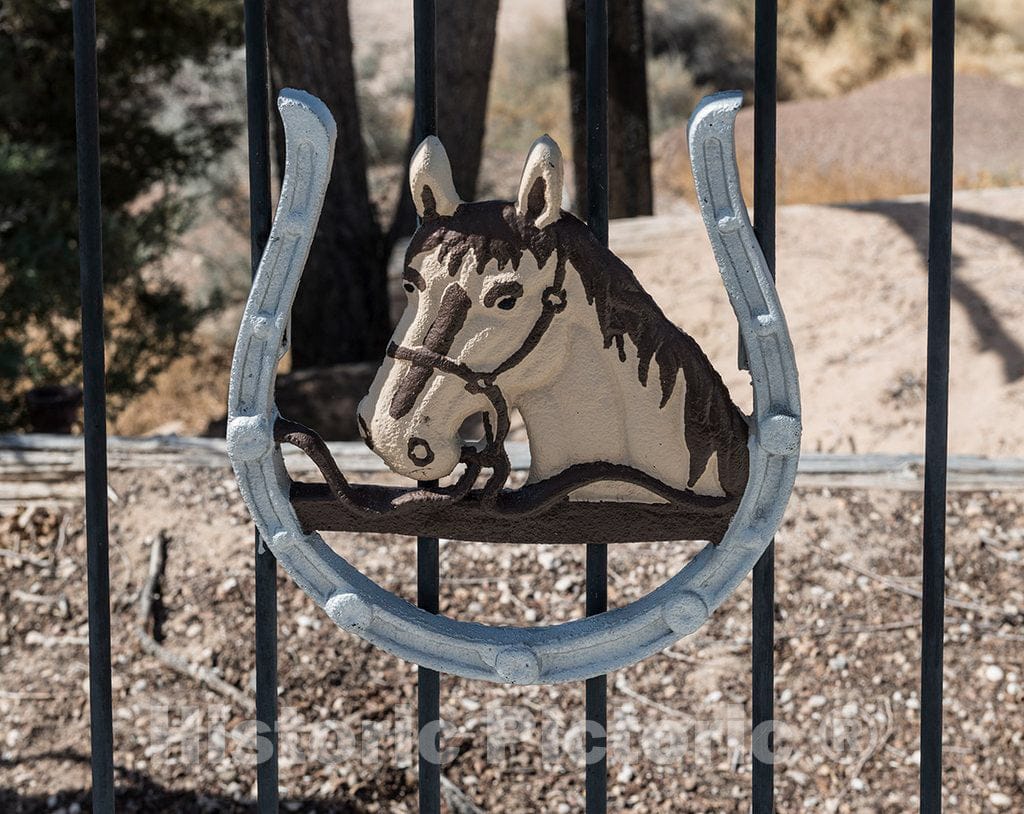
{"x":573,"y":650}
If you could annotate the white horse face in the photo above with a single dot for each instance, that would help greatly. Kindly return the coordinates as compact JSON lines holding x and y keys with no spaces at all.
{"x":469,"y":308}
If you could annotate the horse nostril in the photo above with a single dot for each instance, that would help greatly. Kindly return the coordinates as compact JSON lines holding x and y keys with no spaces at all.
{"x":364,"y":431}
{"x":420,"y":452}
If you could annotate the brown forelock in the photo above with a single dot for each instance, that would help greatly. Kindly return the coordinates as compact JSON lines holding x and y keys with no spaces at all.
{"x":493,"y":230}
{"x":451,"y":316}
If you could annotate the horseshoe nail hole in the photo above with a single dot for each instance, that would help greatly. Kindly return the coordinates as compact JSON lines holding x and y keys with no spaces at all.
{"x":766,"y":323}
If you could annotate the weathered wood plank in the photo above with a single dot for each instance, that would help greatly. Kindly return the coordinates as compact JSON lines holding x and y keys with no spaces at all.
{"x":50,"y":468}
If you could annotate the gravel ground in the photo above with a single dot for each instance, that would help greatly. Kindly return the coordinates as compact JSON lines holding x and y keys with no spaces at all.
{"x":847,"y":661}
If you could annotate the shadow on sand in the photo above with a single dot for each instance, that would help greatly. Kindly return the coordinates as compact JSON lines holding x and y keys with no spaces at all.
{"x":912,"y":218}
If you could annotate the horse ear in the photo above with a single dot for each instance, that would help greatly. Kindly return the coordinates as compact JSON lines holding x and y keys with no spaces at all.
{"x":540,"y":190}
{"x":430,"y":179}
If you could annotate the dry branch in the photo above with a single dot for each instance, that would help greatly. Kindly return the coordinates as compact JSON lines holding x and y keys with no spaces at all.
{"x":7,"y":554}
{"x":893,"y":585}
{"x":157,"y":560}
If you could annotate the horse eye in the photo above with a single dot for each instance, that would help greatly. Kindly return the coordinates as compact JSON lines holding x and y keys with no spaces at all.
{"x":507,"y":303}
{"x":409,"y":287}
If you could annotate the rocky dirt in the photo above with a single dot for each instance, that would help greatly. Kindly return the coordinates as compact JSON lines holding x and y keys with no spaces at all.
{"x":847,"y":660}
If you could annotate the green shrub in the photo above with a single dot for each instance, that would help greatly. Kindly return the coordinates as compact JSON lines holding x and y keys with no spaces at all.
{"x":146,"y":164}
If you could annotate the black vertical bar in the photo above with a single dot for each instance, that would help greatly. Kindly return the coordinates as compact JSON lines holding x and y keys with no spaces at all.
{"x":258,"y":114}
{"x":425,"y":68}
{"x":940,"y":256}
{"x":90,"y":258}
{"x":596,"y":80}
{"x":763,"y":599}
{"x":428,"y":571}
{"x":429,"y":681}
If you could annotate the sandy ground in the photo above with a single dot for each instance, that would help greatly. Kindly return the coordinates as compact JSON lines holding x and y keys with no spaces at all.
{"x":853,"y":283}
{"x":872,"y":143}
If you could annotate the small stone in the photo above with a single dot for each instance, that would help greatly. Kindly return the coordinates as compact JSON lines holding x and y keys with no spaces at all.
{"x":625,"y":774}
{"x":226,"y":587}
{"x":547,"y":560}
{"x":1000,"y":800}
{"x":817,"y":701}
{"x":837,"y":663}
{"x":994,"y":673}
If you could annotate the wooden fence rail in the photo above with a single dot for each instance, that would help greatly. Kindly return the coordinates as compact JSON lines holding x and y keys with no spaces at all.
{"x":51,"y":468}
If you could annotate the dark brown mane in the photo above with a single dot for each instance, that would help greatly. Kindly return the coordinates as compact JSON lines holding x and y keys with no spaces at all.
{"x":493,"y":230}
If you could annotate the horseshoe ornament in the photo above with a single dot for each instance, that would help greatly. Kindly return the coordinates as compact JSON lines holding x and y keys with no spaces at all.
{"x":573,"y":650}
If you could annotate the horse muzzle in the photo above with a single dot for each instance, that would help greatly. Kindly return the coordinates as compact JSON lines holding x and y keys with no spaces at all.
{"x":411,"y":446}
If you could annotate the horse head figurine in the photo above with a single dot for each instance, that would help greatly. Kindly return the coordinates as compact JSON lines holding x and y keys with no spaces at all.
{"x":516,"y":304}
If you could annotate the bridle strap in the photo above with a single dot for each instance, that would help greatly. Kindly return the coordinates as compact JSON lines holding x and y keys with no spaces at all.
{"x":553,"y":301}
{"x":493,"y":454}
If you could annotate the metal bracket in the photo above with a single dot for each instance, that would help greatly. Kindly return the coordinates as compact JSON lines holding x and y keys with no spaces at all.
{"x":566,"y":652}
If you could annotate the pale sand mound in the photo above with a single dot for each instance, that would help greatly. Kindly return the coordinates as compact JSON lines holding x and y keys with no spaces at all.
{"x":853,"y":283}
{"x":873,"y":143}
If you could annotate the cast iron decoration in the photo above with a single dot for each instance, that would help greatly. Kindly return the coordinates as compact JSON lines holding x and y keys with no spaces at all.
{"x":633,"y":435}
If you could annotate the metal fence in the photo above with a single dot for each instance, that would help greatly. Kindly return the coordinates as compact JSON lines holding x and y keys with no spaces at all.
{"x":258,"y":90}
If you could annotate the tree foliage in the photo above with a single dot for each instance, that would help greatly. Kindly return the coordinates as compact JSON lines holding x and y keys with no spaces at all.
{"x":145,"y":165}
